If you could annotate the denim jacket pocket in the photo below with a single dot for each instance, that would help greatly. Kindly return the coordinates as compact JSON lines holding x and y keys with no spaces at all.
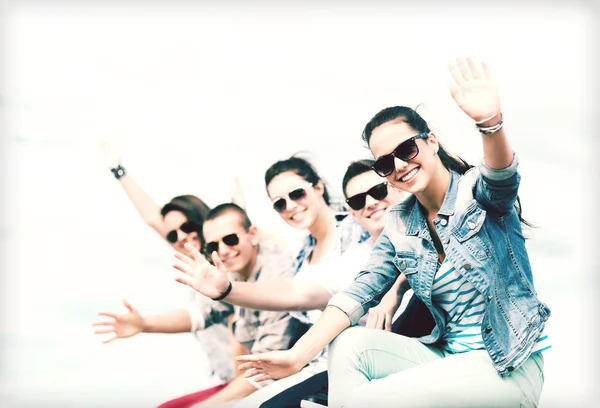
{"x":408,"y":264}
{"x":468,"y":231}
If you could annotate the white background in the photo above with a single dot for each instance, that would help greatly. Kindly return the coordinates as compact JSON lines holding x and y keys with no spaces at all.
{"x":200,"y":94}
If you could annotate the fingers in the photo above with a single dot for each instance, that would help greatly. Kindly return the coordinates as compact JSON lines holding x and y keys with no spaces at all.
{"x":370,"y":320}
{"x":108,"y":314}
{"x":184,"y":258}
{"x":194,"y":253}
{"x":263,"y":377}
{"x":185,"y":280}
{"x":388,"y":323}
{"x":104,"y":323}
{"x":110,"y":339}
{"x":128,"y":306}
{"x":474,"y":71}
{"x":183,"y":267}
{"x":464,"y":71}
{"x":486,"y":70}
{"x":104,"y":331}
{"x":217,"y":261}
{"x":458,"y":78}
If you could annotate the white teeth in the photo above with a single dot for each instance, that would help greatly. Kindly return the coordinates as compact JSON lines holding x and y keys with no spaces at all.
{"x":410,"y":175}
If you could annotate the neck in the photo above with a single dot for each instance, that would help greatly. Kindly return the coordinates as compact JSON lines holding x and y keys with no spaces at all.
{"x":247,"y":271}
{"x":433,"y":196}
{"x":324,"y":225}
{"x":375,"y":234}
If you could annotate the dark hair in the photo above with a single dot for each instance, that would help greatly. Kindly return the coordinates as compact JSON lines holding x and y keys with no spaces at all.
{"x":418,"y":124}
{"x":194,"y":209}
{"x":223,"y":209}
{"x":356,"y":168}
{"x":299,"y":166}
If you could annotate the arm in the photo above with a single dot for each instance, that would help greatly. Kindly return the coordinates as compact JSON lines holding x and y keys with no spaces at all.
{"x":144,"y":204}
{"x":281,"y":364}
{"x":344,"y":309}
{"x":237,"y":349}
{"x":173,"y":321}
{"x":130,"y":323}
{"x":476,"y":94}
{"x":236,"y":389}
{"x":275,"y":295}
{"x":381,"y":316}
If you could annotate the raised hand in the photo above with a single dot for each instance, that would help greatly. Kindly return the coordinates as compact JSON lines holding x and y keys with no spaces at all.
{"x":270,"y":365}
{"x":122,"y":325}
{"x":474,"y":91}
{"x":210,"y":280}
{"x":111,"y":153}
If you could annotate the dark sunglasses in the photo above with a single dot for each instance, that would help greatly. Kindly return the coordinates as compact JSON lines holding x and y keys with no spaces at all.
{"x":407,"y":150}
{"x":295,"y":195}
{"x":378,"y":192}
{"x":186,"y":227}
{"x":229,"y":240}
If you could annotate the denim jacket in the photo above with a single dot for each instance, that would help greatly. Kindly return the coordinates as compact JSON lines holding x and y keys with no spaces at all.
{"x":481,"y":235}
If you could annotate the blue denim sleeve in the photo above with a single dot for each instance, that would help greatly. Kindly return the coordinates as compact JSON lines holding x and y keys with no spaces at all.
{"x":496,"y":189}
{"x":370,"y":284}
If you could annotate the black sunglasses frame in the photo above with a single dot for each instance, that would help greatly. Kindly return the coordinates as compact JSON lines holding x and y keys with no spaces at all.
{"x":389,"y":158}
{"x":280,"y":205}
{"x":378,"y":192}
{"x":187,"y":227}
{"x":213,"y":246}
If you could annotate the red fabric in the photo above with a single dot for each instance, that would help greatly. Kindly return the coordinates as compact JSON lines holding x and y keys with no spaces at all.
{"x":188,"y":400}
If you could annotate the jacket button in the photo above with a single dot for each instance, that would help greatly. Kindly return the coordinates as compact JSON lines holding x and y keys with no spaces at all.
{"x":403,"y":265}
{"x":488,"y":330}
{"x":490,"y":297}
{"x":444,"y":222}
{"x":510,"y":369}
{"x":471,"y":225}
{"x":447,"y":240}
{"x":467,"y":266}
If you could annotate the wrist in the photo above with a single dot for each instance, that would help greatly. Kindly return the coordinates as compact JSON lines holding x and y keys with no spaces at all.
{"x":225,"y":293}
{"x":118,"y":171}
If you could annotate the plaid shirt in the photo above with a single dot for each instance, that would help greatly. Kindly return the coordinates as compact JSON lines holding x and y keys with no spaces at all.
{"x":257,"y":330}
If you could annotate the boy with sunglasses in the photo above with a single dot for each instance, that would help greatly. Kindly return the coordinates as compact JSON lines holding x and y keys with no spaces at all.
{"x":227,"y":231}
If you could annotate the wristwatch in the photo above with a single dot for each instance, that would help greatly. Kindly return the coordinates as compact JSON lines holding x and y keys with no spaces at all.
{"x":118,"y":171}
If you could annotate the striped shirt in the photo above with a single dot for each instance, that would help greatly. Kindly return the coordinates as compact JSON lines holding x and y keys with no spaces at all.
{"x":464,"y":307}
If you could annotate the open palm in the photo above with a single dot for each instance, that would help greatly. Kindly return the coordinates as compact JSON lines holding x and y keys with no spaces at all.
{"x":122,"y":325}
{"x":474,"y":90}
{"x":270,"y":365}
{"x":199,"y":274}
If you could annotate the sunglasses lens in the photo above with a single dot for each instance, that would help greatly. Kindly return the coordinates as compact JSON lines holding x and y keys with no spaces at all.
{"x":231,"y":240}
{"x":188,"y":227}
{"x":407,"y":150}
{"x":212,"y":247}
{"x":379,"y":192}
{"x":384,"y":166}
{"x":172,"y":237}
{"x":279,"y":205}
{"x":357,"y":202}
{"x":297,"y":194}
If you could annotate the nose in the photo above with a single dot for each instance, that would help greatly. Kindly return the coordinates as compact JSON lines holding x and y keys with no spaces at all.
{"x":399,"y":164}
{"x":223,"y":250}
{"x":181,"y":236}
{"x":290,"y":204}
{"x":370,"y":202}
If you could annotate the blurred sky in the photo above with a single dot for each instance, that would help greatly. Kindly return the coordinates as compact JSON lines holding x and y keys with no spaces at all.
{"x":199,"y":94}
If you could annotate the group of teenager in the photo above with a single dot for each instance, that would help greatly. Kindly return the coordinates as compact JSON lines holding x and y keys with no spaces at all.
{"x":418,"y":218}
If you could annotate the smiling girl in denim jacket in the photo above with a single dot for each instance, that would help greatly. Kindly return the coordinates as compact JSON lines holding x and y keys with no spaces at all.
{"x":459,"y":242}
